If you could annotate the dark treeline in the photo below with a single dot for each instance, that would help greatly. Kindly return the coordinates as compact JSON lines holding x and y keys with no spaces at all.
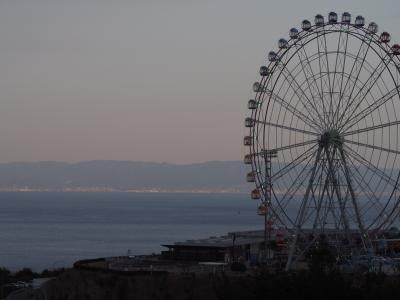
{"x":11,"y":281}
{"x":26,"y":274}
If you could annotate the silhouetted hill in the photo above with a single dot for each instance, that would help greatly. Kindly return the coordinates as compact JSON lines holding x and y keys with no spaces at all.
{"x":123,"y":175}
{"x":109,"y":175}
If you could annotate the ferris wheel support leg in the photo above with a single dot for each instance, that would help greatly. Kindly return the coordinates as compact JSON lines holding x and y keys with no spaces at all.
{"x":364,"y":235}
{"x":321,"y":197}
{"x":302,"y":212}
{"x":338,"y":194}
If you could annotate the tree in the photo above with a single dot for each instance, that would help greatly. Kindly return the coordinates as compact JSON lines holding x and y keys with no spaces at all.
{"x":320,"y":257}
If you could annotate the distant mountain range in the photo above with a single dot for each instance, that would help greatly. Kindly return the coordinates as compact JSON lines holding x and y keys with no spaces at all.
{"x":134,"y":176}
{"x":213,"y":176}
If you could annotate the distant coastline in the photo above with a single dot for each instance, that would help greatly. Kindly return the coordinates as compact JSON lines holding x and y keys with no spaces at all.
{"x":124,"y":176}
{"x":111,"y":190}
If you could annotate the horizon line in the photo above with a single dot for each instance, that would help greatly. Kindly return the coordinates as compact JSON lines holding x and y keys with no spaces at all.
{"x":117,"y":160}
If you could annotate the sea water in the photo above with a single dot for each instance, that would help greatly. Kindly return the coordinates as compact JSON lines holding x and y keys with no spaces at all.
{"x":51,"y":230}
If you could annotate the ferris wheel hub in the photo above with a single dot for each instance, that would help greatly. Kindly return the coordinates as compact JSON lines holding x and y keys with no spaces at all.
{"x":331,"y":137}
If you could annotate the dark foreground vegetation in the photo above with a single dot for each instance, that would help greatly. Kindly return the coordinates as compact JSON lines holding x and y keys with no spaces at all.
{"x":91,"y":285}
{"x":321,"y":280}
{"x":305,"y":285}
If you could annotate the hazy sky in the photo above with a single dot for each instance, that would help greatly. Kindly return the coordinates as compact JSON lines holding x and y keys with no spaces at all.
{"x":149,"y":80}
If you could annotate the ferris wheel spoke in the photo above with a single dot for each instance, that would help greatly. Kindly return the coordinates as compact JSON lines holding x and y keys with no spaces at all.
{"x":281,"y":209}
{"x":288,"y":196}
{"x":336,"y":62}
{"x":382,"y":207}
{"x":287,"y":128}
{"x":339,"y":63}
{"x":365,"y":186}
{"x":276,"y":217}
{"x":311,"y":77}
{"x":357,"y":65}
{"x":322,"y":45}
{"x":308,"y":73}
{"x":371,"y":128}
{"x":308,"y":67}
{"x":372,"y":146}
{"x":371,"y":108}
{"x":293,"y":110}
{"x":292,"y":146}
{"x":372,"y":200}
{"x":344,"y":55}
{"x":363,"y":92}
{"x":355,"y":68}
{"x":294,"y":163}
{"x":275,"y":213}
{"x":292,"y":190}
{"x":393,"y":214}
{"x":370,"y":166}
{"x":325,"y":113}
{"x":302,"y":175}
{"x":308,"y":105}
{"x":370,"y":82}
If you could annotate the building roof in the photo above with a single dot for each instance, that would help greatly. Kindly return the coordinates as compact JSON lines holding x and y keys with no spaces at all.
{"x":239,"y":238}
{"x":217,"y":242}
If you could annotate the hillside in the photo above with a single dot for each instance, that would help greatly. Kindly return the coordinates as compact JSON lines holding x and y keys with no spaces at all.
{"x":216,"y":176}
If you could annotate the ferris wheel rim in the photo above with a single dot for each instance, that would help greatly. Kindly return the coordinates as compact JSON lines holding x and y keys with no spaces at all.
{"x":373,"y":38}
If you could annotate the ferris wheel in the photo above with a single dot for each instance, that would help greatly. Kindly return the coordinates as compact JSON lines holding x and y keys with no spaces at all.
{"x":324,"y":135}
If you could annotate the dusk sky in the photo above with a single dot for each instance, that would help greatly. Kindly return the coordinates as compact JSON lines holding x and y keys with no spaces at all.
{"x":154,"y":80}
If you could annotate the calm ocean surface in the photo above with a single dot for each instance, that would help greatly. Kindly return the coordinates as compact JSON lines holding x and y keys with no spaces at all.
{"x":52,"y":230}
